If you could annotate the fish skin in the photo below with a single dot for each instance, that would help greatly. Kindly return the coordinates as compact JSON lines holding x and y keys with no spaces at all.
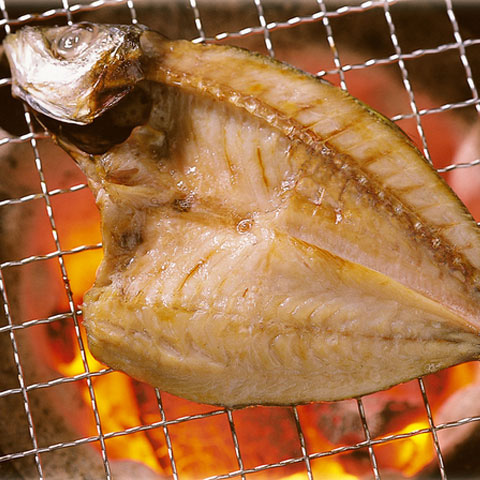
{"x":326,"y":261}
{"x":79,"y":88}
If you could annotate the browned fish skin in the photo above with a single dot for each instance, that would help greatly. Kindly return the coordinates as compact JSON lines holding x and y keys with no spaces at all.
{"x":269,"y":239}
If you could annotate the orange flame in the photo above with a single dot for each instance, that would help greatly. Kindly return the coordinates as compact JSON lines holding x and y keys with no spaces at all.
{"x":331,"y":470}
{"x":117,"y":408}
{"x":416,"y":452}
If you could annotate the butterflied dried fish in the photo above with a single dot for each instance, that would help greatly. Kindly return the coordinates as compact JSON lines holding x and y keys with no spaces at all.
{"x":268,"y":238}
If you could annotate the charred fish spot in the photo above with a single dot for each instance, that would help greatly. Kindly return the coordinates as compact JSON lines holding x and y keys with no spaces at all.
{"x":182,"y":204}
{"x":129,"y":240}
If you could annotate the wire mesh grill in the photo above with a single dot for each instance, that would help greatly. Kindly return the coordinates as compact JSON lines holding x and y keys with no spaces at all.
{"x":322,"y":16}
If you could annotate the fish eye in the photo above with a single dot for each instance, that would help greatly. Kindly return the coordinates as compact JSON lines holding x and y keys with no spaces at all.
{"x":73,"y":41}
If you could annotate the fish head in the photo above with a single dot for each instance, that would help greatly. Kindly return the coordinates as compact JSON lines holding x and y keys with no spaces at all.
{"x":74,"y":73}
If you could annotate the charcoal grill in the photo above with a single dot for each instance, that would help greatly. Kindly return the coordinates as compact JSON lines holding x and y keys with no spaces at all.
{"x":276,"y":28}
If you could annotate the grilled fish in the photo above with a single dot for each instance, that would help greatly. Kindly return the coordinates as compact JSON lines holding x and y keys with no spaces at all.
{"x":268,"y":239}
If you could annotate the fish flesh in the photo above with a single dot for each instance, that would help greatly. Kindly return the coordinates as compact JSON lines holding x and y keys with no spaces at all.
{"x":268,"y":238}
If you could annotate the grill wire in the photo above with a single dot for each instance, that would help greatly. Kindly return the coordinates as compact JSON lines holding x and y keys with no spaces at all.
{"x":67,"y":12}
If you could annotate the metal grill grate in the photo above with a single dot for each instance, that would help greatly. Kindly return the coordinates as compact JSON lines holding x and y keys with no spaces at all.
{"x":324,"y":13}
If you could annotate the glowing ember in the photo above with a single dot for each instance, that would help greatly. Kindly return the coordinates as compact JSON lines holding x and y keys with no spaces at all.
{"x":416,"y":451}
{"x":118,"y":409}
